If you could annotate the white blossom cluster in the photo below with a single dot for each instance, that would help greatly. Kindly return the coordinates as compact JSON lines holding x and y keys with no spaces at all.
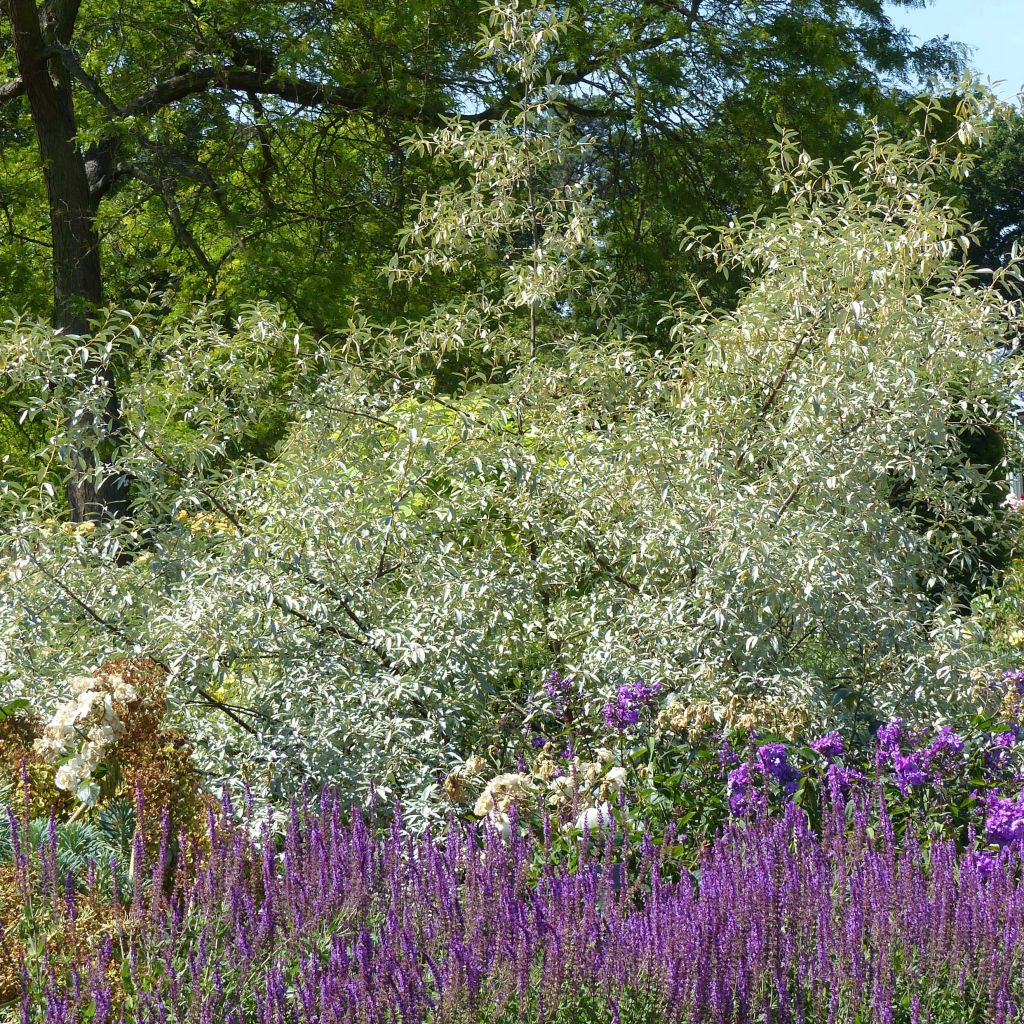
{"x":589,"y":786}
{"x":87,"y":727}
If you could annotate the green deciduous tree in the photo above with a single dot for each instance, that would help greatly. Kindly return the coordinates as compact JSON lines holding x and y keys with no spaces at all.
{"x":994,"y":193}
{"x":253,"y":152}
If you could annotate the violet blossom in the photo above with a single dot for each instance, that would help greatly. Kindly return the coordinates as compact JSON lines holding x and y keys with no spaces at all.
{"x":631,"y":699}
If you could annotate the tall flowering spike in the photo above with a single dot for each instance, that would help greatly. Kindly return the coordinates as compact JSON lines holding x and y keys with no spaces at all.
{"x":20,"y":856}
{"x":26,"y":791}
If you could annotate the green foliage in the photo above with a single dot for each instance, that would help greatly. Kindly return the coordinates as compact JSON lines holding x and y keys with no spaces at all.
{"x":999,"y":611}
{"x":231,"y":188}
{"x":994,"y":193}
{"x":357,"y":605}
{"x":672,"y":784}
{"x":76,"y":844}
{"x":12,"y":707}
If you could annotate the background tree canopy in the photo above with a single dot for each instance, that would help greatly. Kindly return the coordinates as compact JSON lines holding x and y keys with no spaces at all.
{"x":994,"y":193}
{"x":254,"y":151}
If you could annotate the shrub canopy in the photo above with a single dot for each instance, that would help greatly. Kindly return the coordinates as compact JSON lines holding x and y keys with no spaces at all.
{"x":788,"y":503}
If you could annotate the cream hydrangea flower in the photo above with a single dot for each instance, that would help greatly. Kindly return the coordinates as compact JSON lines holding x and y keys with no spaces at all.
{"x":595,"y":820}
{"x":87,"y":727}
{"x":502,"y":792}
{"x":561,"y":790}
{"x":614,"y":780}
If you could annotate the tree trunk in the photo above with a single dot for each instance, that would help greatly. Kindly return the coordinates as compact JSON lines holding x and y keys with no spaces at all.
{"x":77,"y":280}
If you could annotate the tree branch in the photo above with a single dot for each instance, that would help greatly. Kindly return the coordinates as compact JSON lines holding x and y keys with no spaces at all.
{"x":58,"y":19}
{"x":12,"y":90}
{"x":31,"y":51}
{"x":231,"y":710}
{"x":92,"y":87}
{"x":162,"y":186}
{"x":301,"y":91}
{"x":266,"y":81}
{"x":608,"y":567}
{"x":575,"y":76}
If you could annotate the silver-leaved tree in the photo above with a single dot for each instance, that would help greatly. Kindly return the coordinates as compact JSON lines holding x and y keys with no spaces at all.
{"x":783,"y":504}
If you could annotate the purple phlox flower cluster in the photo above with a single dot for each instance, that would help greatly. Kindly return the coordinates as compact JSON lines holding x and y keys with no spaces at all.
{"x":982,"y":862}
{"x":337,"y":923}
{"x":944,"y":755}
{"x":1004,"y":820}
{"x":631,"y":699}
{"x":841,"y":780}
{"x":830,"y":746}
{"x":910,"y":770}
{"x":727,"y":757}
{"x":946,"y":743}
{"x":559,"y":690}
{"x":1015,"y":678}
{"x":890,"y":735}
{"x":553,"y":699}
{"x":923,"y":766}
{"x":773,"y":762}
{"x":740,"y":787}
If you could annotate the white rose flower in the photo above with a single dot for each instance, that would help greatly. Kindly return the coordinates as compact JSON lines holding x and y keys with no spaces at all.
{"x":84,"y":705}
{"x":91,"y":711}
{"x":594,"y":820}
{"x":65,"y":779}
{"x":615,"y":779}
{"x":69,"y":776}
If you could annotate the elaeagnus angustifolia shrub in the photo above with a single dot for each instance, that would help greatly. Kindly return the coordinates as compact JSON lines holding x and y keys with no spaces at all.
{"x":362,"y":605}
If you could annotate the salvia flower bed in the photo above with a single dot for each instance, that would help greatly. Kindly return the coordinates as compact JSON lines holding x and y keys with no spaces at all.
{"x":337,"y":922}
